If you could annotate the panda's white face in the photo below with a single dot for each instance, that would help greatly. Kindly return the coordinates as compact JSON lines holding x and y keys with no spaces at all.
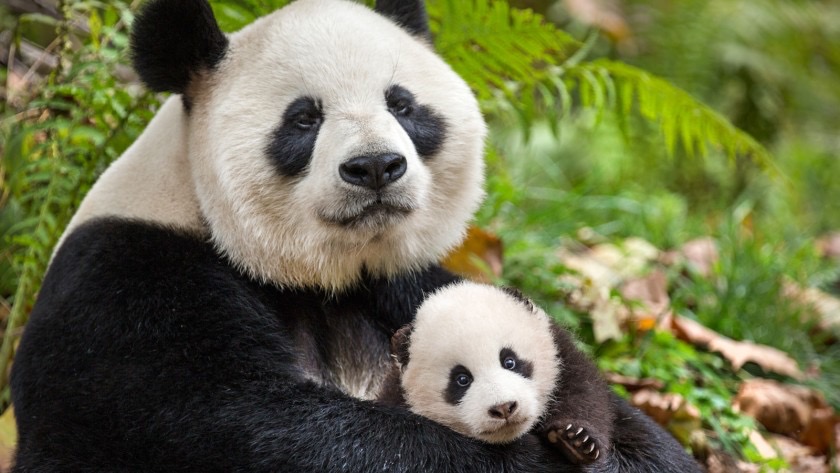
{"x":480,"y":362}
{"x":329,"y":140}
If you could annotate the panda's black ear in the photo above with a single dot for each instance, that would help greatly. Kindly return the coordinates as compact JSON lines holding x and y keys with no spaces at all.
{"x":522,"y":298}
{"x":410,"y":14}
{"x":172,"y":41}
{"x":399,"y":344}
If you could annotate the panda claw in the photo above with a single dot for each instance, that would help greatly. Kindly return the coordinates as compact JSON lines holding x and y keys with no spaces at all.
{"x":576,"y":443}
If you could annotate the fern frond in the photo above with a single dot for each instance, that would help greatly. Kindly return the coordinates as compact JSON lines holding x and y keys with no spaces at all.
{"x":608,"y":85}
{"x":498,"y":48}
{"x":517,"y":61}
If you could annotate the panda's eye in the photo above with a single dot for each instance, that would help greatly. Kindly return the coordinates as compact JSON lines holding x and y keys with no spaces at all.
{"x":307,"y":121}
{"x":401,"y":107}
{"x":463,"y":380}
{"x":509,"y":363}
{"x":400,"y":101}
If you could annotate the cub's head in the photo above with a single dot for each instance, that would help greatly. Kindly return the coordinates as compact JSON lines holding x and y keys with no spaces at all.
{"x":479,"y":360}
{"x":324,"y":139}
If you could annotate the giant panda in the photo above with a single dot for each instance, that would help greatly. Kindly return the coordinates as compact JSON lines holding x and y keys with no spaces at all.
{"x":491,"y":365}
{"x":224,"y":298}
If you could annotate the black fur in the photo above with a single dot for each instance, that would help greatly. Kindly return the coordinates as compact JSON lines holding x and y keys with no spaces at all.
{"x":421,"y":123}
{"x":147,"y":352}
{"x":173,"y":41}
{"x":522,"y":367}
{"x":293,"y":141}
{"x":410,"y":14}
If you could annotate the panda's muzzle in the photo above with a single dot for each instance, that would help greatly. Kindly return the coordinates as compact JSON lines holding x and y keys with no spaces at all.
{"x":373,"y":172}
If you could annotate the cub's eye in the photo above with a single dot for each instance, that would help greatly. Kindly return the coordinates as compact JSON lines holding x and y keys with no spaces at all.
{"x":463,"y":380}
{"x":509,"y":363}
{"x":307,"y":121}
{"x":400,"y":107}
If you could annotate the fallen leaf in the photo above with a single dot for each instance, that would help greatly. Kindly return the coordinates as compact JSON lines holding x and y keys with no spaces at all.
{"x":700,"y":254}
{"x":600,"y":14}
{"x":829,"y":246}
{"x":800,"y":458}
{"x":634,"y":384}
{"x":737,"y":353}
{"x":669,"y":410}
{"x":762,"y":445}
{"x":651,"y":296}
{"x":607,"y":314}
{"x":820,"y":432}
{"x":796,"y":411}
{"x":478,"y":258}
{"x":825,"y":306}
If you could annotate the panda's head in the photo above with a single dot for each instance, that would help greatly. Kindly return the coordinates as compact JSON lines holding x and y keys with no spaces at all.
{"x":324,"y":139}
{"x":479,"y":360}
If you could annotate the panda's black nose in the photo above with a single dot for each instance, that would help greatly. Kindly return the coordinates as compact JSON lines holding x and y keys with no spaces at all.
{"x":503,"y":411}
{"x":373,"y":172}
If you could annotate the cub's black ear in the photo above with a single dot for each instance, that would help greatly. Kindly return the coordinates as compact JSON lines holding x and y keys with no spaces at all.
{"x":174,"y":40}
{"x":410,"y":14}
{"x":399,"y":343}
{"x":517,"y":294}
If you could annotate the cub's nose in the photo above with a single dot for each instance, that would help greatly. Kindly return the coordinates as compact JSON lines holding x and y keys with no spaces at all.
{"x":373,"y":172}
{"x":503,"y":411}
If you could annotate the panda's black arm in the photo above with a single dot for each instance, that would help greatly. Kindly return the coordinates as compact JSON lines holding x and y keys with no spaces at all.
{"x":146,"y":352}
{"x":581,"y":396}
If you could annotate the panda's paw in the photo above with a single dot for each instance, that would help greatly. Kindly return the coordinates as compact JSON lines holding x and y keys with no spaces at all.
{"x":575,"y":441}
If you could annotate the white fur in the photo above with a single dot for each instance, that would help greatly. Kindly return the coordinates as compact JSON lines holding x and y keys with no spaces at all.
{"x":468,"y":324}
{"x":276,"y":228}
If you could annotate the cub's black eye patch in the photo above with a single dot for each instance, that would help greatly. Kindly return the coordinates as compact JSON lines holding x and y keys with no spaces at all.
{"x":293,"y":141}
{"x":422,"y":124}
{"x":460,"y":380}
{"x":511,"y":361}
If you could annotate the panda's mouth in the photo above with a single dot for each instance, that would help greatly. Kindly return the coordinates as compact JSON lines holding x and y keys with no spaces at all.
{"x":376,"y":214}
{"x":507,"y":430}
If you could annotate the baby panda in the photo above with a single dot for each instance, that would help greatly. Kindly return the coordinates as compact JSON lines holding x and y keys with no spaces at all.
{"x":489,"y":364}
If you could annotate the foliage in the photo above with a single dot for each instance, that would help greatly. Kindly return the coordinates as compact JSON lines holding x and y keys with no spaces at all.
{"x":54,"y":148}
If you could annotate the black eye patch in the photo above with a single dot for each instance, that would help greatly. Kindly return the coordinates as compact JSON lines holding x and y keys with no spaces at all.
{"x":460,"y":380}
{"x":511,"y":361}
{"x":421,"y":123}
{"x":293,"y":141}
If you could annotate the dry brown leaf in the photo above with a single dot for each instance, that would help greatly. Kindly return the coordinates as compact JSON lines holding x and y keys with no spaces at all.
{"x":791,"y":410}
{"x":800,"y":458}
{"x":829,"y":246}
{"x":701,"y":254}
{"x":602,"y":15}
{"x":478,"y":258}
{"x":634,"y":384}
{"x":669,"y":410}
{"x":762,"y":445}
{"x":825,"y":306}
{"x":737,"y":353}
{"x":651,"y":295}
{"x":820,"y":432}
{"x":777,"y":408}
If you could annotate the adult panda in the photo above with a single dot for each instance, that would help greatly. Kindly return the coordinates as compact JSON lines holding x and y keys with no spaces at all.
{"x":224,"y":297}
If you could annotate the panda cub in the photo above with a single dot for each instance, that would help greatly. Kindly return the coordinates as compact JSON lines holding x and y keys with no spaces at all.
{"x":489,"y":364}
